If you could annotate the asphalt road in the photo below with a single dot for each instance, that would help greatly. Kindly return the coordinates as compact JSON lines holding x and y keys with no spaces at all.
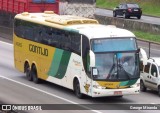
{"x":154,"y":48}
{"x":146,"y":19}
{"x":15,"y":89}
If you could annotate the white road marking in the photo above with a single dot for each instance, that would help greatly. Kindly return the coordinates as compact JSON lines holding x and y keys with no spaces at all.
{"x":6,"y":43}
{"x":42,"y":90}
{"x":72,"y":102}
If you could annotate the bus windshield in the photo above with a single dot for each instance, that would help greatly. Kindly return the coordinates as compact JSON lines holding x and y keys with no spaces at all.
{"x":114,"y":44}
{"x":116,"y":62}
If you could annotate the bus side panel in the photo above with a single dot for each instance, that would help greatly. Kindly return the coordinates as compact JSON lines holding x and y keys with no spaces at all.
{"x":75,"y":68}
{"x":63,"y":70}
{"x":18,"y":56}
{"x":33,"y":52}
{"x":55,"y":65}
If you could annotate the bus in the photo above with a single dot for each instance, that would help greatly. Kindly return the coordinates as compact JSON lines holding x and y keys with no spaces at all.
{"x":77,"y":53}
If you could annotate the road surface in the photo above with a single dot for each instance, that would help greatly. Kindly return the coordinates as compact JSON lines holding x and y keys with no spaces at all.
{"x":146,"y":19}
{"x":15,"y":89}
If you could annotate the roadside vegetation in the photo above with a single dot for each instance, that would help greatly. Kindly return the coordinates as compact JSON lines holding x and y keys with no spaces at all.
{"x":149,"y":7}
{"x":147,"y":36}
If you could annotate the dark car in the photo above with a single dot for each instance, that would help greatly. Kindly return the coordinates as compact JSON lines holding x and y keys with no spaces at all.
{"x":127,"y":10}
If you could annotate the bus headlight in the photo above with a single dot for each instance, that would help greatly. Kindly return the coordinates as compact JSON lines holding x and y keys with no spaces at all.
{"x":136,"y":85}
{"x":99,"y":87}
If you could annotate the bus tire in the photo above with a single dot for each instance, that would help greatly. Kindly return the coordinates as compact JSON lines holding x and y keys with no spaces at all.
{"x":34,"y":74}
{"x":159,"y":91}
{"x":77,"y":89}
{"x":120,"y":96}
{"x":27,"y":70}
{"x":142,"y":86}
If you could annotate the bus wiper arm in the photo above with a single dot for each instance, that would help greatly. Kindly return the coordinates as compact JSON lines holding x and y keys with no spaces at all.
{"x":126,"y":73}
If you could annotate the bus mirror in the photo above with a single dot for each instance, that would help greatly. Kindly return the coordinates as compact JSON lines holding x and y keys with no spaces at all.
{"x":144,"y":62}
{"x":144,"y":56}
{"x":138,"y":50}
{"x":92,"y":59}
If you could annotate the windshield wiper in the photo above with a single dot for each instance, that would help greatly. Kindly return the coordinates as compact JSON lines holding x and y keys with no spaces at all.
{"x":126,"y":73}
{"x":112,"y":73}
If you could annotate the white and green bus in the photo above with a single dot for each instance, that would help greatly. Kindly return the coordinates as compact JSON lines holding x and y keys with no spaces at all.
{"x":76,"y":53}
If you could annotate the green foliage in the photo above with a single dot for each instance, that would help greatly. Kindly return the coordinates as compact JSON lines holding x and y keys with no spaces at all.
{"x":149,"y":7}
{"x":147,"y":36}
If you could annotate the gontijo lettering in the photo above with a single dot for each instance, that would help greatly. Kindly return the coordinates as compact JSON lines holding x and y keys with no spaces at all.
{"x":38,"y":50}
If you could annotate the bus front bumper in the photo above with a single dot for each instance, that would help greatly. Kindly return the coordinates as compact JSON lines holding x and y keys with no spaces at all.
{"x":114,"y":92}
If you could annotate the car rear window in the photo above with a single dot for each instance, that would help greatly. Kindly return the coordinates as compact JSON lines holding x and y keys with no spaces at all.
{"x":132,"y":6}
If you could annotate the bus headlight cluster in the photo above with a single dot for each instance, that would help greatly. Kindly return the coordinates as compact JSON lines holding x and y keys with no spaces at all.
{"x":99,"y":87}
{"x":136,"y":85}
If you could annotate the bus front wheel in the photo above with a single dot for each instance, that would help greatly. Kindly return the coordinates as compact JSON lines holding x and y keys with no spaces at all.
{"x":142,"y":86}
{"x":28,"y":72}
{"x":77,"y":89}
{"x":34,"y":74}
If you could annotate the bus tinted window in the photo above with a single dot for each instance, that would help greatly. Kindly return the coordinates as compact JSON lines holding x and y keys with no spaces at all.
{"x":110,"y":45}
{"x":62,"y":39}
{"x":75,"y":42}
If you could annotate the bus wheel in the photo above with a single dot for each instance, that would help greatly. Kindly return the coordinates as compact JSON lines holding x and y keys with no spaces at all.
{"x":28,"y":72}
{"x":120,"y":96}
{"x":34,"y":74}
{"x":142,"y":86}
{"x":77,"y":89}
{"x":159,"y":91}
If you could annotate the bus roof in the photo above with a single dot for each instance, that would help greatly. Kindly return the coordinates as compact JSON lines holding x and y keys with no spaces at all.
{"x":101,"y":31}
{"x":88,"y":27}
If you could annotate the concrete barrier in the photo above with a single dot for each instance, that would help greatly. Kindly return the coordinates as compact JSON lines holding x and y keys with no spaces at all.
{"x":6,"y":24}
{"x":6,"y":32}
{"x":129,"y":24}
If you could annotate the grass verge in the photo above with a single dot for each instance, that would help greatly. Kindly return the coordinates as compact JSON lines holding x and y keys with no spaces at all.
{"x":147,"y":36}
{"x":149,"y":7}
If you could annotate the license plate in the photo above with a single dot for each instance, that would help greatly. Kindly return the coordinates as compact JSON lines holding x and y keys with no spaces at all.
{"x":135,"y":9}
{"x":117,"y":92}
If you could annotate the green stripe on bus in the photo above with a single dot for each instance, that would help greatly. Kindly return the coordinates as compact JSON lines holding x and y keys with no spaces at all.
{"x":124,"y":83}
{"x":128,"y":83}
{"x":55,"y":62}
{"x":63,"y":64}
{"x":131,"y":82}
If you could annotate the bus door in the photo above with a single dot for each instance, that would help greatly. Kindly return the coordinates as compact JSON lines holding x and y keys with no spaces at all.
{"x":86,"y":72}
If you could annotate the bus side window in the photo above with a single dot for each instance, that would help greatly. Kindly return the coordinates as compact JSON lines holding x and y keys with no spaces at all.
{"x":19,"y":28}
{"x":85,"y":54}
{"x":65,"y":40}
{"x":76,"y":43}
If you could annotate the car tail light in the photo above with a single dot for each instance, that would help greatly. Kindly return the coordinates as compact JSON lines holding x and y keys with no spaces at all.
{"x":129,"y":10}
